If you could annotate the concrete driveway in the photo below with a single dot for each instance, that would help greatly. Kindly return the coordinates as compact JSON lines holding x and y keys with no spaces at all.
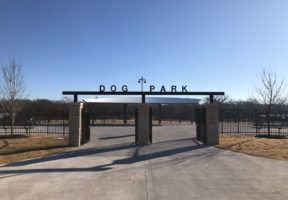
{"x":176,"y":166}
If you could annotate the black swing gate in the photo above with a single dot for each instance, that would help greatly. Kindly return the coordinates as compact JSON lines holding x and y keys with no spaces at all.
{"x":86,"y":116}
{"x":201,"y":125}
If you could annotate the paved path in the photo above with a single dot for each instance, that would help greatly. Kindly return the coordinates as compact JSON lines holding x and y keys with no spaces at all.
{"x":174,"y":167}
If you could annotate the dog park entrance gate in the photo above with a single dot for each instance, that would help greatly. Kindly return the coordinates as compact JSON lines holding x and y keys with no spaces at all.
{"x":91,"y":116}
{"x":94,"y":114}
{"x":206,"y":121}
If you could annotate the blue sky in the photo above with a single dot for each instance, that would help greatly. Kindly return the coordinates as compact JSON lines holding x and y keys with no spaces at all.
{"x":208,"y":45}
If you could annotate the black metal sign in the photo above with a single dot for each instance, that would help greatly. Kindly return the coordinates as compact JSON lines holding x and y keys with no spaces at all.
{"x":123,"y":90}
{"x":152,"y":88}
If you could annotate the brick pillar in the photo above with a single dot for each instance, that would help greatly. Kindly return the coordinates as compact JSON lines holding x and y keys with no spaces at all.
{"x":143,"y":124}
{"x":212,"y":124}
{"x":75,"y":124}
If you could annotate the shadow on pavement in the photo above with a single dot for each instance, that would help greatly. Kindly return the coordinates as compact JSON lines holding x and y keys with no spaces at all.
{"x":73,"y":154}
{"x":141,"y":153}
{"x":116,"y":137}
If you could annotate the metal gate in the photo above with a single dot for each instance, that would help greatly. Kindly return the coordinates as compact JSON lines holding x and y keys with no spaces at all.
{"x":136,"y":126}
{"x":86,"y":115}
{"x":150,"y":125}
{"x":201,"y":125}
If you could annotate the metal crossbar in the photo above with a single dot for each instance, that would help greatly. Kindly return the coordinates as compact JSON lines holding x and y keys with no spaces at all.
{"x":143,"y":94}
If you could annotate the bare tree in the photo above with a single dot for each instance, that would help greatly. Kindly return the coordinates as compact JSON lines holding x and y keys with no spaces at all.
{"x":219,"y":99}
{"x":270,"y":92}
{"x":67,"y":100}
{"x":12,"y":90}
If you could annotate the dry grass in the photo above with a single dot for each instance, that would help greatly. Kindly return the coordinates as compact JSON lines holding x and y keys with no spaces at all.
{"x":256,"y":146}
{"x":27,"y":147}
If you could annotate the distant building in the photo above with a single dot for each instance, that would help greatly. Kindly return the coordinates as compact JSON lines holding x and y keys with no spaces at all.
{"x":155,"y":100}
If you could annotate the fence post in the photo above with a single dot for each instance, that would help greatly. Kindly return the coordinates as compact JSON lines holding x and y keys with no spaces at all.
{"x":47,"y":127}
{"x":238,"y":119}
{"x":256,"y":121}
{"x":125,"y":114}
{"x":159,"y":114}
{"x":63,"y":127}
{"x":222,"y":120}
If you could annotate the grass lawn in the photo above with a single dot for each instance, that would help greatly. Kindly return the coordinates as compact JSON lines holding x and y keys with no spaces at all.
{"x":275,"y":148}
{"x":26,"y":147}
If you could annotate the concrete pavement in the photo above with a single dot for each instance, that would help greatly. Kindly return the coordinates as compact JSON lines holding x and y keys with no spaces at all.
{"x":175,"y":166}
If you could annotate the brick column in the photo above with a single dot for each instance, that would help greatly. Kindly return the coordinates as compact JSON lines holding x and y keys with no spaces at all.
{"x":212,"y":124}
{"x":75,"y":124}
{"x":143,"y":124}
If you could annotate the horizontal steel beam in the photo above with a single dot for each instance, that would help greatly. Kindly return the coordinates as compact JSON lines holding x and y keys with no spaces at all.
{"x":139,"y":93}
{"x":143,"y":94}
